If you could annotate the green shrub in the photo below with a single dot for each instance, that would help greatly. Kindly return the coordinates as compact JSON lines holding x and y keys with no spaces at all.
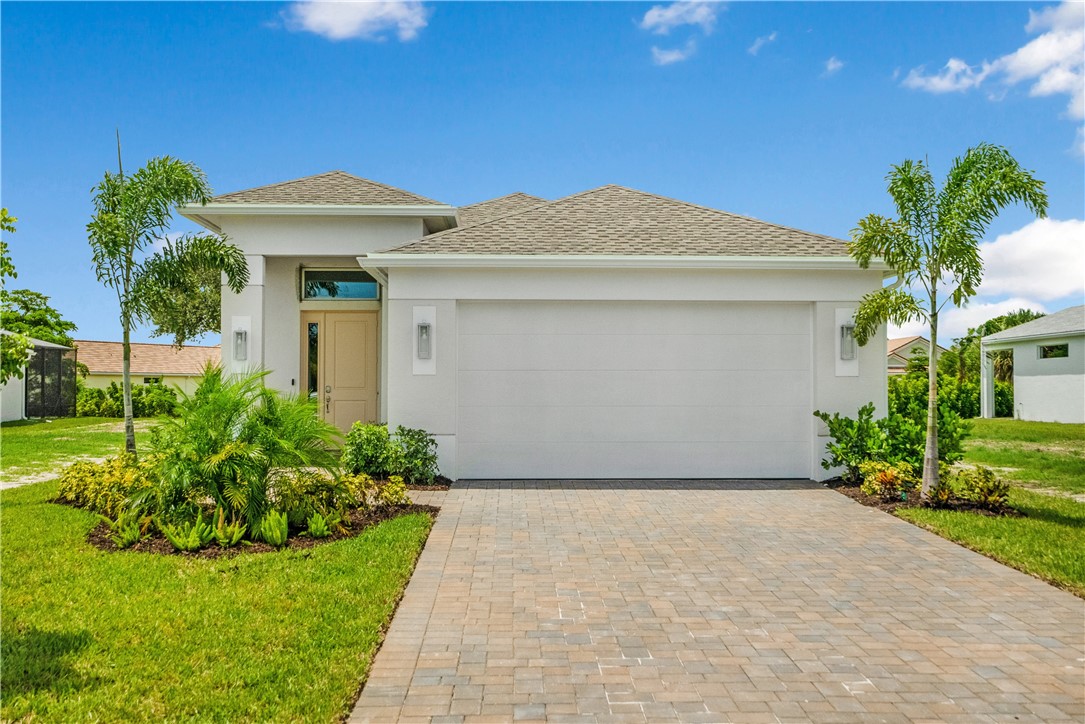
{"x":300,"y":493}
{"x":984,"y":488}
{"x":274,"y":529}
{"x":228,"y":438}
{"x":152,"y":400}
{"x":888,"y":481}
{"x":108,"y":487}
{"x":229,"y":534}
{"x":392,"y":492}
{"x":942,"y":495}
{"x":908,"y":396}
{"x":410,"y":453}
{"x":853,"y":441}
{"x":190,"y":536}
{"x":317,"y":526}
{"x":126,"y":530}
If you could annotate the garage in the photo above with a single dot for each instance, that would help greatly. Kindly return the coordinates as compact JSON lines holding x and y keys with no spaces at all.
{"x":633,"y":389}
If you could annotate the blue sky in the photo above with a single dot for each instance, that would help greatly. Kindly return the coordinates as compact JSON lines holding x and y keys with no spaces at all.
{"x":467,"y":101}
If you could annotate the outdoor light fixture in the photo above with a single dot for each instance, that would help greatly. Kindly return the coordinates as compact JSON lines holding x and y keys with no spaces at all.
{"x":241,"y":345}
{"x":425,"y":341}
{"x":847,"y":341}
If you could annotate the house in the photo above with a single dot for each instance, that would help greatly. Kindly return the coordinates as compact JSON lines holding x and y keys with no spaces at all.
{"x":902,"y":349}
{"x":149,"y":363}
{"x":47,"y":387}
{"x":1048,"y":367}
{"x":612,"y":333}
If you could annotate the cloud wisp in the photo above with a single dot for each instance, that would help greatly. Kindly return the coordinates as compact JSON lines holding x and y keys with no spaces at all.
{"x":662,"y":19}
{"x":1053,"y":63}
{"x":346,"y":19}
{"x":673,"y":55}
{"x":761,"y":42}
{"x":832,"y":66}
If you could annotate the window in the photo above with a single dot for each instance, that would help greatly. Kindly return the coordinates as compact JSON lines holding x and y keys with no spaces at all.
{"x":338,"y":284}
{"x":152,"y":380}
{"x":1054,"y":351}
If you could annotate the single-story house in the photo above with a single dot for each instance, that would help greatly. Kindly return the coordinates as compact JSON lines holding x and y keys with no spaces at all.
{"x":1048,"y":367}
{"x":612,"y":333}
{"x":902,"y":349}
{"x":149,"y":363}
{"x":47,"y":386}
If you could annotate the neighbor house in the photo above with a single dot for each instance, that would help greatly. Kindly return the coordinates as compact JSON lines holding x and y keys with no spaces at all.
{"x":162,"y":363}
{"x":612,"y":333}
{"x":1048,"y":367}
{"x":902,"y":349}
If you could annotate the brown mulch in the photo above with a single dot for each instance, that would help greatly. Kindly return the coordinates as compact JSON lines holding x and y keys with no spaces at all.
{"x":157,"y":544}
{"x":852,"y":491}
{"x":439,"y":483}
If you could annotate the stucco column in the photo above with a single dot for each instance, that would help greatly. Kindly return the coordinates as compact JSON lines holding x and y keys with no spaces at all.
{"x":987,"y":383}
{"x":244,"y":314}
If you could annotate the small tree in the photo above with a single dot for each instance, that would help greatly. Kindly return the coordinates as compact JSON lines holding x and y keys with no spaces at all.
{"x":131,"y":215}
{"x":933,"y":246}
{"x":30,"y":313}
{"x":14,"y":347}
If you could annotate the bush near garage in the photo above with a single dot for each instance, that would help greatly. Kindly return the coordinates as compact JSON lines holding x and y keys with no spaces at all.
{"x":408,"y":453}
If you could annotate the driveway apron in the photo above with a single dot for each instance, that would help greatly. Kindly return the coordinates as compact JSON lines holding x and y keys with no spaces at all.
{"x":714,"y":601}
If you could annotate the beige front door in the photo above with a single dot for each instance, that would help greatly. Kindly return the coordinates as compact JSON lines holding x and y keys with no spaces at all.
{"x":339,"y":365}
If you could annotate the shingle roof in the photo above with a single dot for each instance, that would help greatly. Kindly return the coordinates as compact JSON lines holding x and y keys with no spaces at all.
{"x":1068,"y":321}
{"x":105,"y":358}
{"x":496,"y":208}
{"x":892,"y":345}
{"x":332,"y":188}
{"x":614,"y":220}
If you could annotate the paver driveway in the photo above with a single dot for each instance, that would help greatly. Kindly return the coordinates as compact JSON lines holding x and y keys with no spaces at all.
{"x":714,"y":602}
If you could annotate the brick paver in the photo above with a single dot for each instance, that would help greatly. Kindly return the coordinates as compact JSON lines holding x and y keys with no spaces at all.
{"x":711,"y":602}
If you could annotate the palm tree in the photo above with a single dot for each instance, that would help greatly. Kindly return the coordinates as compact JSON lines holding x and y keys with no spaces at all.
{"x":933,"y":245}
{"x":131,"y":216}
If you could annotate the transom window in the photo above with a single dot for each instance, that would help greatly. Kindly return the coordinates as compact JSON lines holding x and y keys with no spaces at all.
{"x":1054,"y":351}
{"x":338,"y":284}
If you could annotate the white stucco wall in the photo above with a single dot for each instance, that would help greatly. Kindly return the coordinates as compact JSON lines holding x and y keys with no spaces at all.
{"x":187,"y":383}
{"x":1049,"y":390}
{"x":13,"y":400}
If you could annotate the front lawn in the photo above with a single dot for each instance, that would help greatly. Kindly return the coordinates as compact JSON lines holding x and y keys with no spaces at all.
{"x":95,"y":636}
{"x":1039,"y":454}
{"x":1048,"y":542}
{"x":40,"y":447}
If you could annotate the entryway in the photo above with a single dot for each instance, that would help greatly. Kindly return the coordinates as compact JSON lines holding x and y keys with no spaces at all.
{"x":339,"y":365}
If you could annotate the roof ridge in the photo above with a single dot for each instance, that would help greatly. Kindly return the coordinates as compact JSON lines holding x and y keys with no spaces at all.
{"x":499,"y":198}
{"x":333,"y":172}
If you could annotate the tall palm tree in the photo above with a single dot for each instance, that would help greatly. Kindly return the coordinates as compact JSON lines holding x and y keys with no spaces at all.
{"x":132,"y":215}
{"x":933,"y":246}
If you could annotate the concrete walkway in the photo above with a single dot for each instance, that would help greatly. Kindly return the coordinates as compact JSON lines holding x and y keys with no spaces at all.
{"x":701,"y":601}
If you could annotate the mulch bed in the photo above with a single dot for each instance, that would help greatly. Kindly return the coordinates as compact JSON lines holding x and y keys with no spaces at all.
{"x":852,"y":491}
{"x":157,"y":544}
{"x":441,"y":483}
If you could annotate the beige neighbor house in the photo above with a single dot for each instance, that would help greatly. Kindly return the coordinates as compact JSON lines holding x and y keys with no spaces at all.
{"x":1048,"y":367}
{"x":902,"y":349}
{"x":608,"y":334}
{"x":162,"y":363}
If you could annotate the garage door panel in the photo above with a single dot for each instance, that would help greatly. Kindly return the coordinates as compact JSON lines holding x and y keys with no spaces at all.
{"x":544,"y":318}
{"x":772,"y":388}
{"x":636,"y":352}
{"x":519,"y":424}
{"x":632,"y":460}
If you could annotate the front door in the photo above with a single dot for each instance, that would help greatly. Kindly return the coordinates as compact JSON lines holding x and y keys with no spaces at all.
{"x":339,"y":363}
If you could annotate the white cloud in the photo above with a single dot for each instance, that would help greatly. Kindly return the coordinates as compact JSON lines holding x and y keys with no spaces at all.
{"x":761,"y":42}
{"x":1044,"y":260}
{"x":833,"y":65}
{"x":955,"y":322}
{"x":661,"y":19}
{"x":1053,"y":62}
{"x":661,"y":56}
{"x":340,"y":20}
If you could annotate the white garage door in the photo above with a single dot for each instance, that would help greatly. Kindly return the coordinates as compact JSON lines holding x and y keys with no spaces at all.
{"x":633,"y":390}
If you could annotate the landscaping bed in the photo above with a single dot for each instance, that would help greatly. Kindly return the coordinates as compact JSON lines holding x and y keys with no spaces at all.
{"x":853,"y":491}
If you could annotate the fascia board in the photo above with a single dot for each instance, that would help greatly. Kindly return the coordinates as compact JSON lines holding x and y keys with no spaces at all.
{"x":587,"y":261}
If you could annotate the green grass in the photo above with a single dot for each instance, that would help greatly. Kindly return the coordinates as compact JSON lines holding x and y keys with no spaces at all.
{"x":95,"y":636}
{"x":29,"y":447}
{"x":1039,"y":454}
{"x":1048,"y":543}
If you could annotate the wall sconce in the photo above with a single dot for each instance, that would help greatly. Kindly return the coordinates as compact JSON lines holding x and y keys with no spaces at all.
{"x":425,"y":341}
{"x":241,"y":345}
{"x":847,"y":341}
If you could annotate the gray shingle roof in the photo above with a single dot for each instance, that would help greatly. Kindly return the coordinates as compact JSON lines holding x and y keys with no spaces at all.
{"x":1068,"y":321}
{"x":614,"y":220}
{"x":331,"y":188}
{"x":496,"y":208}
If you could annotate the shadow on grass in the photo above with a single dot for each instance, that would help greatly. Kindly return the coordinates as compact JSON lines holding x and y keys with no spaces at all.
{"x":34,"y":660}
{"x":1050,"y":516}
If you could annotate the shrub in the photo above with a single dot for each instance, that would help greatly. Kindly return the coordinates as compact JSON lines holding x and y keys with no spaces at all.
{"x":300,"y":493}
{"x":274,"y":529}
{"x":410,"y":453}
{"x":853,"y":441}
{"x":227,"y":534}
{"x":153,"y":400}
{"x":228,"y":438}
{"x":108,"y":487}
{"x":942,"y":494}
{"x":190,"y":536}
{"x":392,"y":492}
{"x":317,"y":526}
{"x":127,"y":529}
{"x":888,"y":481}
{"x":984,"y":488}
